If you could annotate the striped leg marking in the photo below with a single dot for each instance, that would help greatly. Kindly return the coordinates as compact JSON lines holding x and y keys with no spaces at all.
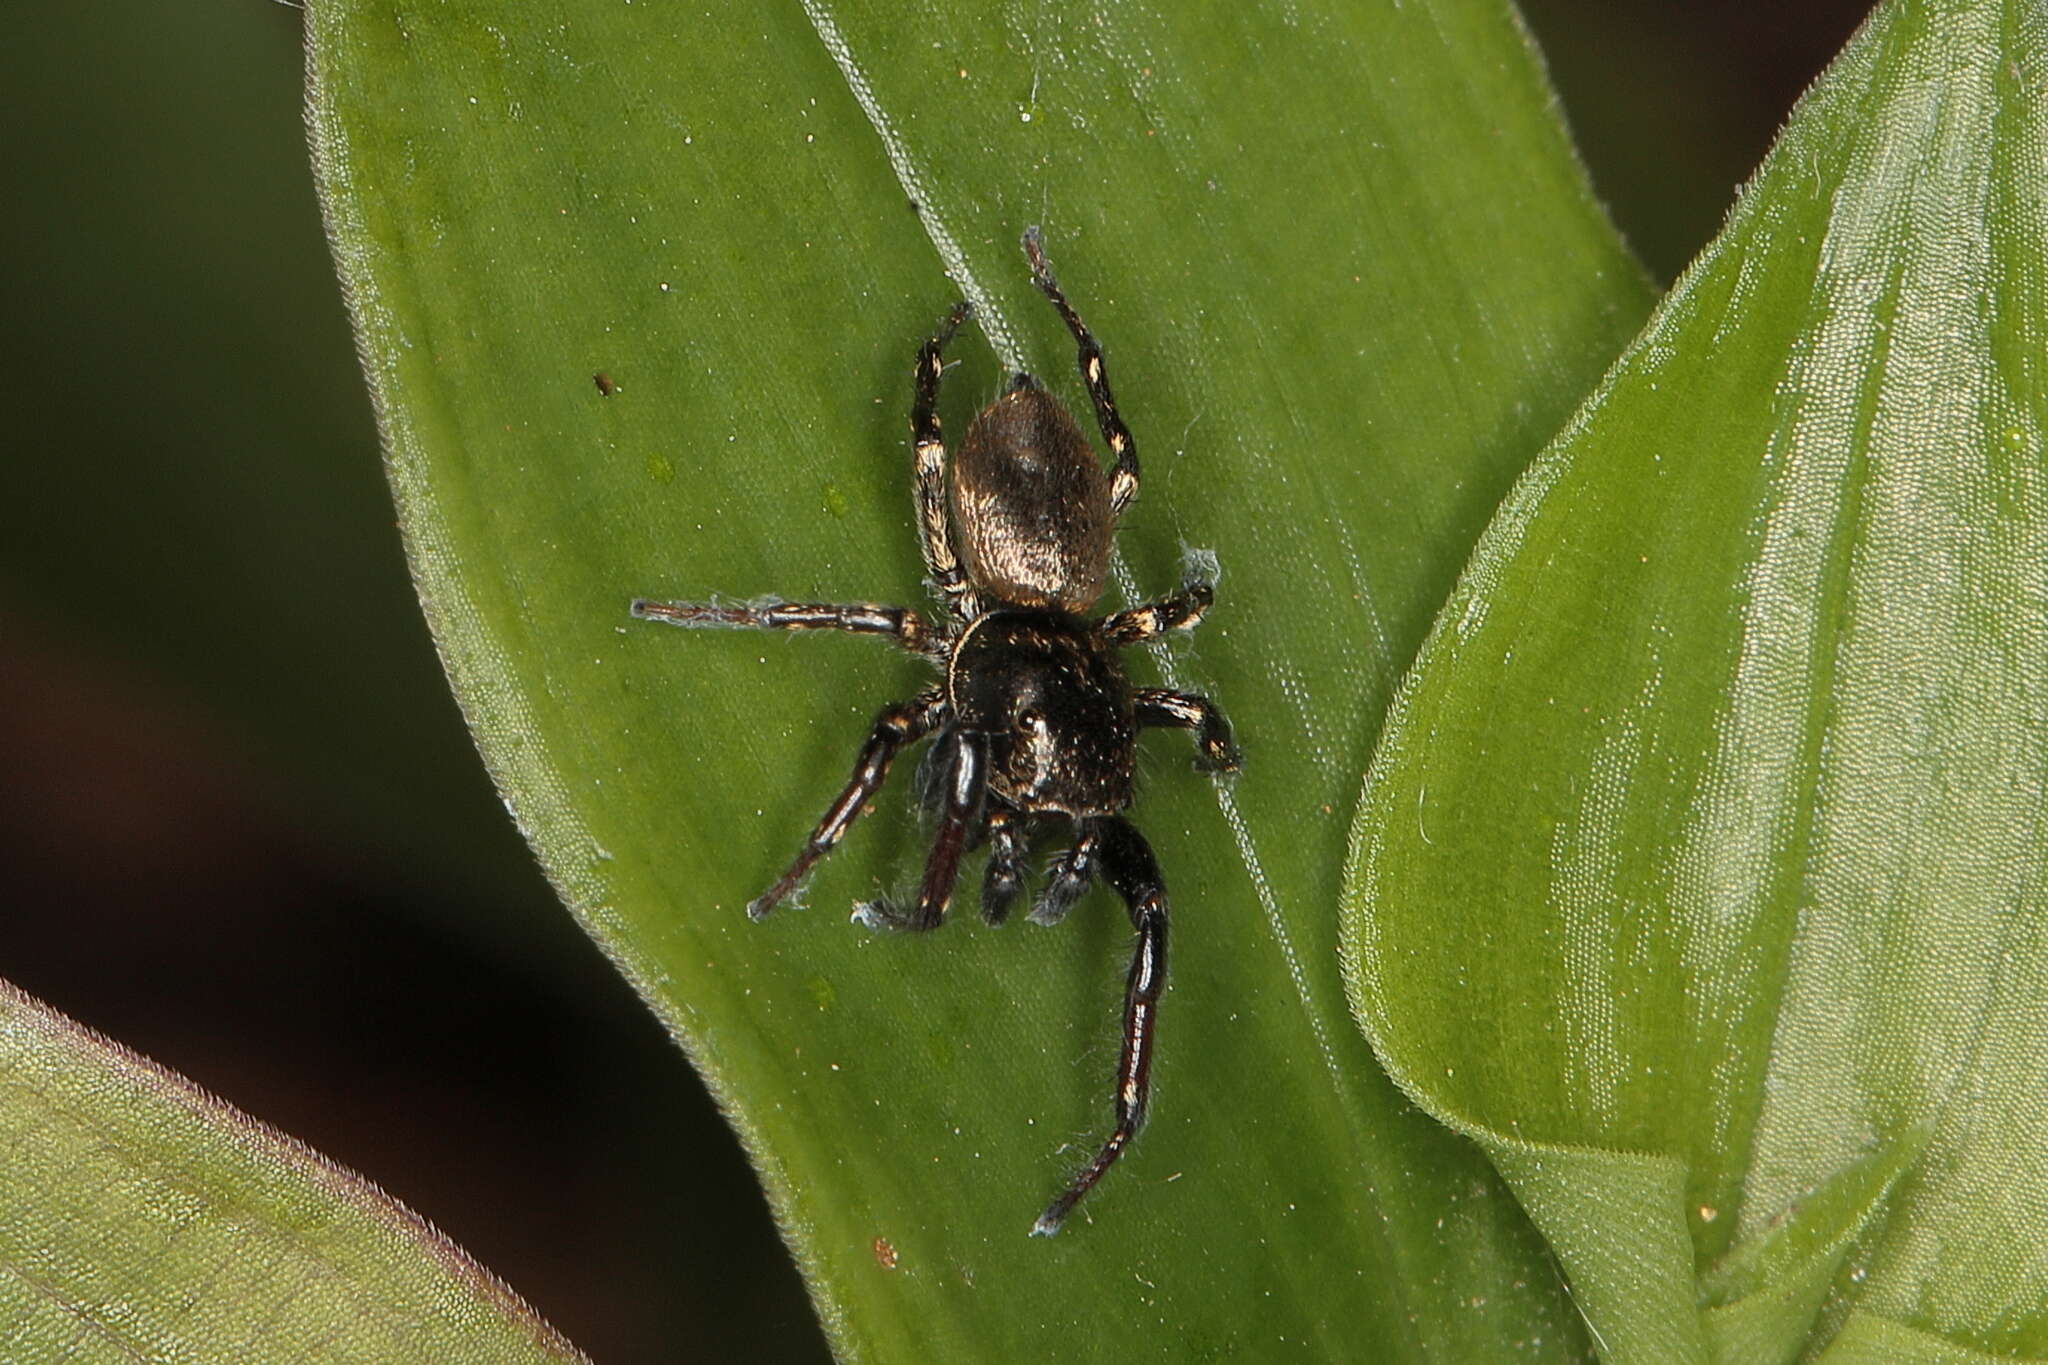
{"x":862,"y":618}
{"x":1162,"y":706}
{"x":1123,"y":479}
{"x":896,"y":726}
{"x":935,"y":531}
{"x":1128,"y":865}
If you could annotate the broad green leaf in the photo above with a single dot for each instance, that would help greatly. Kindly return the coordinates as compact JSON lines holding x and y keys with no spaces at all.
{"x":1349,"y":279}
{"x":1700,"y":873}
{"x":143,"y":1219}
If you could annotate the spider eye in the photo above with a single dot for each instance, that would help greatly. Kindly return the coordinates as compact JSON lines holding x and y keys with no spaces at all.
{"x":1031,"y":718}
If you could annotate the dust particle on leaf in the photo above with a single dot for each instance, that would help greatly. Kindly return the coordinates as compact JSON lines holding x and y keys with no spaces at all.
{"x":822,"y":993}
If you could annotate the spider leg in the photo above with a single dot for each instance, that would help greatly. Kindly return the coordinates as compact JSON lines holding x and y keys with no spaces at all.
{"x":1067,"y":877}
{"x":1123,"y":479}
{"x":1188,"y":711}
{"x":1005,"y":875}
{"x":905,"y":626}
{"x":896,"y":726}
{"x":966,"y":779}
{"x":934,"y":530}
{"x":1182,"y":611}
{"x":1128,"y":865}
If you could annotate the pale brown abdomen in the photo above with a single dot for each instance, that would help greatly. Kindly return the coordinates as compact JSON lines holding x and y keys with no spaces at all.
{"x":1031,"y":503}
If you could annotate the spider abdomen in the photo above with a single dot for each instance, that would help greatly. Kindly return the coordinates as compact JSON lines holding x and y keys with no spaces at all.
{"x":1031,"y":503}
{"x":1051,"y":698}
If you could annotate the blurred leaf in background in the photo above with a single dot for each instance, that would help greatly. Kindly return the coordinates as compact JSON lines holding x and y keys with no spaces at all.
{"x":141,"y":1218}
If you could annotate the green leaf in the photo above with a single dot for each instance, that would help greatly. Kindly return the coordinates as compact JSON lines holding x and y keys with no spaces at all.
{"x":143,"y":1219}
{"x":1349,"y":279}
{"x":1700,"y":874}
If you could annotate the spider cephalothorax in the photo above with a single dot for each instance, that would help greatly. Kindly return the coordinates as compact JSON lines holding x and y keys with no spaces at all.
{"x":1034,"y":719}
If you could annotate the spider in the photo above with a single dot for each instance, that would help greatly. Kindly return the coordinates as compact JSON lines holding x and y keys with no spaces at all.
{"x":1033,"y":718}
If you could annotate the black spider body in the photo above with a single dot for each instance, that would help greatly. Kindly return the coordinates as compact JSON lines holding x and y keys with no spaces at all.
{"x":1034,"y":719}
{"x":1051,"y":698}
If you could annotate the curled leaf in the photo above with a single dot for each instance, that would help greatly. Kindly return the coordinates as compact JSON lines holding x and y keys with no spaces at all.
{"x":1700,"y":873}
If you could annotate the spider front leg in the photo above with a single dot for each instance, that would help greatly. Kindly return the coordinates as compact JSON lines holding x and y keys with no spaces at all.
{"x":1128,"y":865}
{"x":935,"y":531}
{"x":902,"y":624}
{"x":895,"y":727}
{"x":1123,"y":479}
{"x":966,"y":779}
{"x":1162,"y":706}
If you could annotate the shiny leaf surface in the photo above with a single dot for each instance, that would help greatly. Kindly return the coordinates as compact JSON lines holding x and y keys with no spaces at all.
{"x":1700,"y":871}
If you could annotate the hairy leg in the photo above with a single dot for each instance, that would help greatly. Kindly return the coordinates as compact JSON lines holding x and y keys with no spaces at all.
{"x":1182,"y":611}
{"x":1005,"y":875}
{"x":1127,"y":865}
{"x":1190,"y":711}
{"x":966,"y":782}
{"x":896,"y":726}
{"x":935,"y":531}
{"x":1123,"y":479}
{"x":1066,"y":878}
{"x":901,"y":624}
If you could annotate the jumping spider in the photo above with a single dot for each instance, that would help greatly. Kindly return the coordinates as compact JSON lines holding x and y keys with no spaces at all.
{"x":1034,"y":717}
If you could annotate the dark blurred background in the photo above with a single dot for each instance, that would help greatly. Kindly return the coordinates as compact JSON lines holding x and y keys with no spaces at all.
{"x":241,"y":826}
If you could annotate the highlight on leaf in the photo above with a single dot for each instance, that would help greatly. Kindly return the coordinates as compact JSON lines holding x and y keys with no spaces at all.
{"x":1717,"y":791}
